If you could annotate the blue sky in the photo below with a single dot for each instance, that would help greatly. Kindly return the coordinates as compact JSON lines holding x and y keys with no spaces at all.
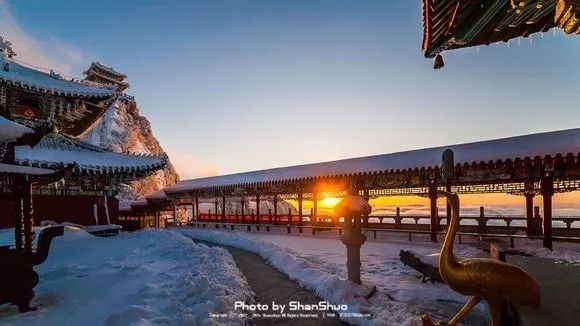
{"x":241,"y":85}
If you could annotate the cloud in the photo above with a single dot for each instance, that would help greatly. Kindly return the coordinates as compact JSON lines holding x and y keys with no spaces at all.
{"x":188,"y":166}
{"x":49,"y":53}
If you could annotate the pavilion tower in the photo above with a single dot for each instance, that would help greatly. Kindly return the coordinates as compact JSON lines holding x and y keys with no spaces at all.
{"x":106,"y":75}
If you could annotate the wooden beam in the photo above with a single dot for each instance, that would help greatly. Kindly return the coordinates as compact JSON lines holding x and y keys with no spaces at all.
{"x":434,"y":223}
{"x":547,"y":190}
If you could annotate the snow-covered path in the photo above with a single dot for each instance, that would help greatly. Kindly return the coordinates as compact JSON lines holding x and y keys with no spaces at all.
{"x":147,"y":277}
{"x":319,"y":263}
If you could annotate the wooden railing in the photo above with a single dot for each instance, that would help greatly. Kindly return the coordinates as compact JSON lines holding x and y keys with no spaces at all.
{"x":314,"y":230}
{"x":498,"y":223}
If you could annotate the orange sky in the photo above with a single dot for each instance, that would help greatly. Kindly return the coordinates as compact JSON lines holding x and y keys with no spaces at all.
{"x":564,"y":203}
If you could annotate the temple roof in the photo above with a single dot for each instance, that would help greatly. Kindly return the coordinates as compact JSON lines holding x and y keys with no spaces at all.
{"x":55,"y":149}
{"x":541,"y":144}
{"x":106,"y":75}
{"x":138,"y":203}
{"x":18,"y":169}
{"x":124,"y":206}
{"x":39,"y":81}
{"x":452,"y":24}
{"x":158,"y":195}
{"x":11,"y":131}
{"x":99,"y":66}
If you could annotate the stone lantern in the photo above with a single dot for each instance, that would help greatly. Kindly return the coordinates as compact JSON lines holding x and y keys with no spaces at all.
{"x":352,"y":209}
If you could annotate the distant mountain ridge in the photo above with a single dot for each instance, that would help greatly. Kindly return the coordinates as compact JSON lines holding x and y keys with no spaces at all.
{"x":122,"y":129}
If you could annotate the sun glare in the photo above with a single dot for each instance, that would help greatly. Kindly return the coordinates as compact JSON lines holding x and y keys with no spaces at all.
{"x":330,"y":201}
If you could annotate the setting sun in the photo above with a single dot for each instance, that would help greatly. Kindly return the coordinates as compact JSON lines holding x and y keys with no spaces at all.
{"x":330,"y":202}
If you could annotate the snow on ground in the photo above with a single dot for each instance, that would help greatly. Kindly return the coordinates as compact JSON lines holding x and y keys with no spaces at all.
{"x":562,"y":251}
{"x":149,"y":277}
{"x":319,"y":263}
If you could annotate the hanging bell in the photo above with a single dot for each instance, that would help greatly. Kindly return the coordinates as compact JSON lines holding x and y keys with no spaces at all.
{"x":438,"y":62}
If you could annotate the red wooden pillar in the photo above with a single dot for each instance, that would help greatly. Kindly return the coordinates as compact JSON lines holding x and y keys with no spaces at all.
{"x":276,"y":209}
{"x":547,"y":190}
{"x":19,"y":183}
{"x":175,"y":214}
{"x":196,"y":208}
{"x":242,"y":210}
{"x":216,"y":211}
{"x":434,"y":223}
{"x":300,"y":199}
{"x":28,"y":216}
{"x":314,"y":215}
{"x":223,"y":208}
{"x":257,"y":208}
{"x":529,"y":195}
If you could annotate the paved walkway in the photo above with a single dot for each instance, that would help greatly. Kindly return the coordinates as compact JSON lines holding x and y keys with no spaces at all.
{"x":272,"y":286}
{"x":559,"y":288}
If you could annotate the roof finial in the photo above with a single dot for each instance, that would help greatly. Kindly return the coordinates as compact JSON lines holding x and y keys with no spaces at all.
{"x":6,"y":48}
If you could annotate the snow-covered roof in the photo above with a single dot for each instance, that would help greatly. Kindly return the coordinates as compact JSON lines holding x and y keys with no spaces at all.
{"x":124,"y":206}
{"x":128,"y":205}
{"x":139,"y":202}
{"x":158,"y":195}
{"x":18,"y":169}
{"x":35,"y":80}
{"x":541,"y":144}
{"x":98,"y":65}
{"x":11,"y":131}
{"x":55,"y":149}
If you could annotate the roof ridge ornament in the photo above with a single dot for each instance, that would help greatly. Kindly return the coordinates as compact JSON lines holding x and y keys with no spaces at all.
{"x":6,"y":48}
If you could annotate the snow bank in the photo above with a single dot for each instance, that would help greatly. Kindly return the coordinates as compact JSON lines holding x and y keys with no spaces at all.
{"x":433,"y":258}
{"x":564,"y":252}
{"x":141,"y":278}
{"x":319,"y":264}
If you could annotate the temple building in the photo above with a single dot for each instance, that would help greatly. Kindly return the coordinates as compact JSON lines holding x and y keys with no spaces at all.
{"x":107,"y":76}
{"x":454,"y":24}
{"x":58,"y":112}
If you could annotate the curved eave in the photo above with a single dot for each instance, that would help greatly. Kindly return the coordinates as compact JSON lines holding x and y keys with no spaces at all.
{"x":11,"y":131}
{"x":12,"y":169}
{"x":29,"y":79}
{"x":90,"y":170}
{"x":112,"y":80}
{"x":57,"y":92}
{"x":88,"y":120}
{"x":445,"y":20}
{"x":157,"y":197}
{"x":99,"y":66}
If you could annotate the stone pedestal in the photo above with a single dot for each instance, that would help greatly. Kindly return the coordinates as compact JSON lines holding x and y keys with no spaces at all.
{"x":353,"y":264}
{"x":352,"y":209}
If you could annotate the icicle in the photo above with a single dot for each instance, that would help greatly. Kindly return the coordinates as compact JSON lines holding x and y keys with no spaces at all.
{"x":107,"y":210}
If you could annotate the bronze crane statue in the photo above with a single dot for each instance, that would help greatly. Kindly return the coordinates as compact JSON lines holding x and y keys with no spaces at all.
{"x":481,"y":278}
